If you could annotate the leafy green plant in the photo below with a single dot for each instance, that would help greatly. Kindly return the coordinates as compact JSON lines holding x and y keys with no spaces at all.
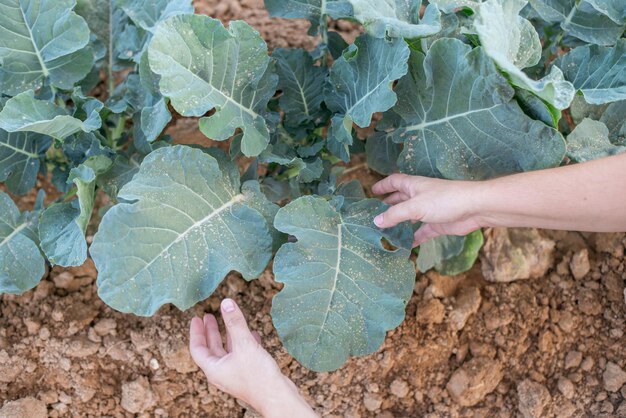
{"x":457,"y":89}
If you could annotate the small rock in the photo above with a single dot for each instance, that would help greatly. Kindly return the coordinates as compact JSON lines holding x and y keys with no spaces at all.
{"x":516,"y":254}
{"x":609,"y":243}
{"x":589,"y":302}
{"x":573,"y":359}
{"x":25,"y":407}
{"x":621,"y":410}
{"x":467,"y":304}
{"x":579,"y":265}
{"x":474,"y":380}
{"x":176,"y":356}
{"x":137,"y":396}
{"x":399,"y":388}
{"x":533,"y":398}
{"x":105,"y":326}
{"x":430,"y":311}
{"x":372,"y":401}
{"x":566,"y":321}
{"x":81,"y":347}
{"x":587,"y":364}
{"x":566,"y":387}
{"x":614,"y":377}
{"x":154,"y":364}
{"x":32,"y":325}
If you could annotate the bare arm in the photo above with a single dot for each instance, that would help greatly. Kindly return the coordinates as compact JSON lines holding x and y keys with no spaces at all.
{"x":581,"y":197}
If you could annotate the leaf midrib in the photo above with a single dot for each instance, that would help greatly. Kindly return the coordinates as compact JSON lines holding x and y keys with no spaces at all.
{"x":44,"y":69}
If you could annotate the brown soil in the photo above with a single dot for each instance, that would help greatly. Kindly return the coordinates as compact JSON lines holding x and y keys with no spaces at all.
{"x":550,"y":346}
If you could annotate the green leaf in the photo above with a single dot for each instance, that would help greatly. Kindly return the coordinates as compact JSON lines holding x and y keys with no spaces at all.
{"x":449,"y":6}
{"x":598,"y":71}
{"x":313,"y":10}
{"x":360,"y":85}
{"x":434,"y":252}
{"x":466,"y":258}
{"x":615,"y":9}
{"x":580,"y":19}
{"x":21,"y":262}
{"x":25,"y":113}
{"x":514,"y":44}
{"x":21,"y":155}
{"x":302,"y":84}
{"x":343,"y":291}
{"x":148,"y":13}
{"x":382,"y":153}
{"x":121,"y":172}
{"x":42,"y":40}
{"x":62,"y":227}
{"x":590,"y":141}
{"x":460,"y":122}
{"x":186,"y":227}
{"x":397,"y":18}
{"x":204,"y":66}
{"x":615,"y":119}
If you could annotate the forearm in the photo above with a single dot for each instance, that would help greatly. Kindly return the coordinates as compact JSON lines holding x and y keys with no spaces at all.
{"x":581,"y":197}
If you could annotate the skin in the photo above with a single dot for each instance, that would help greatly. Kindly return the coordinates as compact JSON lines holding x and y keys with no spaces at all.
{"x":243,"y":368}
{"x":582,"y":197}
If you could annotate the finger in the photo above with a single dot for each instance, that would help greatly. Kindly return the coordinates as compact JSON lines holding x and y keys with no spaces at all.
{"x":257,"y":337}
{"x":229,"y":343}
{"x":405,"y":211}
{"x":395,"y":198}
{"x":393,"y":183}
{"x":213,"y":336}
{"x":423,"y":234}
{"x":236,"y":325}
{"x":197,"y":341}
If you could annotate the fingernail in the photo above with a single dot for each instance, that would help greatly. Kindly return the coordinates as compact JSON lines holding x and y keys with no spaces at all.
{"x":228,"y":305}
{"x":379,"y":220}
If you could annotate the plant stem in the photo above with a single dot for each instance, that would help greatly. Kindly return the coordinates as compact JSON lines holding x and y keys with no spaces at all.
{"x":353,"y":169}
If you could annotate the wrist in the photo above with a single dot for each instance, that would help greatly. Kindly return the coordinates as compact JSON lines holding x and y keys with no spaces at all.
{"x":483,"y":203}
{"x":282,"y":400}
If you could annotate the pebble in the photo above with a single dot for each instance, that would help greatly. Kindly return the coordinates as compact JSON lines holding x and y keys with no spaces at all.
{"x":137,"y":396}
{"x":176,"y":356}
{"x":399,"y":388}
{"x":566,"y":387}
{"x":587,"y":364}
{"x":466,"y":305}
{"x":573,"y":359}
{"x":474,"y":380}
{"x":613,"y":377}
{"x":430,"y":311}
{"x":372,"y":401}
{"x":566,"y":321}
{"x":533,"y":398}
{"x":25,"y":407}
{"x":105,"y":326}
{"x":579,"y":264}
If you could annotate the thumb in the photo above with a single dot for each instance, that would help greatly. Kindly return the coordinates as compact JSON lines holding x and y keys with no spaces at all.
{"x":405,"y":211}
{"x":236,"y":325}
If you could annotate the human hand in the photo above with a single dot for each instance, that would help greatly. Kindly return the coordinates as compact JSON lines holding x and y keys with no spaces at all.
{"x":243,"y":368}
{"x":444,"y":207}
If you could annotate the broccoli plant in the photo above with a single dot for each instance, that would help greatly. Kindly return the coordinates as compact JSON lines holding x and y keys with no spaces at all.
{"x":455,"y":89}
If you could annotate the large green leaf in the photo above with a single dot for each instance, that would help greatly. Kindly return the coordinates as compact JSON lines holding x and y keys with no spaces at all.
{"x":302,"y":84}
{"x":204,"y":66}
{"x":580,"y":19}
{"x":148,"y":13}
{"x":20,"y":157}
{"x":361,"y":84}
{"x":25,"y":113}
{"x":514,"y":44}
{"x":187,"y":224}
{"x":598,"y":71}
{"x":42,"y":39}
{"x":615,"y":9}
{"x":590,"y":141}
{"x":62,"y":227}
{"x":343,"y":290}
{"x":397,"y":18}
{"x":313,"y":10}
{"x":460,"y":122}
{"x":382,"y":153}
{"x":21,"y":262}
